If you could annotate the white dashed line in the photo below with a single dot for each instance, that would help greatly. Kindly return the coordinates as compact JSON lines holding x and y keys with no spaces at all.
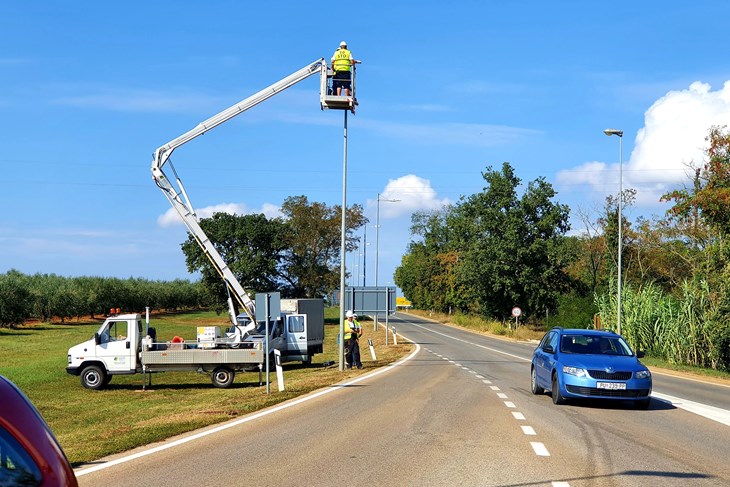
{"x":518,"y":416}
{"x":561,"y":484}
{"x":528,"y":430}
{"x":487,"y":381}
{"x":472,"y":372}
{"x":502,"y":395}
{"x":509,"y":404}
{"x":494,"y":388}
{"x":540,"y":449}
{"x":480,"y":376}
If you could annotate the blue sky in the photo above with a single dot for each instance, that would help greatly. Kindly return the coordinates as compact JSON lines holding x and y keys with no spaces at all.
{"x":88,"y":90}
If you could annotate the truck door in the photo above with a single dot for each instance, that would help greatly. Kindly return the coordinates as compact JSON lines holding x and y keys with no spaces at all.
{"x":296,"y":334}
{"x":115,"y":348}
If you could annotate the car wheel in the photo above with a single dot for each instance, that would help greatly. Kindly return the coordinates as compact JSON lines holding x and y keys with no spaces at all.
{"x":222,"y":377}
{"x":557,"y":396}
{"x":93,"y":377}
{"x":536,"y":389}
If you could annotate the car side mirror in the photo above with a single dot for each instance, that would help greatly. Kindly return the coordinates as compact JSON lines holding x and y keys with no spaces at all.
{"x":548,"y":349}
{"x":97,"y":338}
{"x":640,"y":354}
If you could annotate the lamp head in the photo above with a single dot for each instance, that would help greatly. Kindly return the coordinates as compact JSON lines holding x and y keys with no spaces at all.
{"x":611,"y":132}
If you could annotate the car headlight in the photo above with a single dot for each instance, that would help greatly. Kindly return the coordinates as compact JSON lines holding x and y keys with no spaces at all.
{"x":643,"y":374}
{"x":576,"y":371}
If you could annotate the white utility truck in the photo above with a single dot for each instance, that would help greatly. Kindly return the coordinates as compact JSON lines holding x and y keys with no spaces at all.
{"x":122,"y":347}
{"x":119,"y":347}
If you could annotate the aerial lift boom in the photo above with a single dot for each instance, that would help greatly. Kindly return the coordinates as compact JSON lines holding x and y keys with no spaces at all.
{"x":178,"y":197}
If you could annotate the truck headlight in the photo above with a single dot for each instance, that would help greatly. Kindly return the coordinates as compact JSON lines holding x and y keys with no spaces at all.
{"x":643,"y":374}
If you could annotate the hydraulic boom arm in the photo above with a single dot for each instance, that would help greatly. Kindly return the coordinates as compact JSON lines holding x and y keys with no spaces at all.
{"x":177,"y":196}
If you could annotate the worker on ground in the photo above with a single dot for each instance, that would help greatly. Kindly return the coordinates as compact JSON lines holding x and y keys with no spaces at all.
{"x":342,"y":62}
{"x":353,"y":331}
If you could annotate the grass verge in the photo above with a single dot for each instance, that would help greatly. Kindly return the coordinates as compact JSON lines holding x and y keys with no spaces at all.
{"x":93,"y":424}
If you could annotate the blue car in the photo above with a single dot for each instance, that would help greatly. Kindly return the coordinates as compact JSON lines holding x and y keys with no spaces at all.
{"x":589,"y":364}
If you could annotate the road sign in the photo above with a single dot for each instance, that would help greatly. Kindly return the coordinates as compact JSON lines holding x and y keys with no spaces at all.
{"x":516,"y":311}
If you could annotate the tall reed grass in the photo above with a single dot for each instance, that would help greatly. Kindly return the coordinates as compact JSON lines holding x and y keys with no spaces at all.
{"x":685,"y":330}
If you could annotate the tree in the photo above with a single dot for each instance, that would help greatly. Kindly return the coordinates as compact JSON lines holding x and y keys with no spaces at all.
{"x":513,"y":248}
{"x":15,"y":299}
{"x":311,"y":259}
{"x":251,"y":245}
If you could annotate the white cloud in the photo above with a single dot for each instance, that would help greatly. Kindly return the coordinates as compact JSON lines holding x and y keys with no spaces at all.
{"x":673,"y":136}
{"x":413,"y":194}
{"x":171,"y":218}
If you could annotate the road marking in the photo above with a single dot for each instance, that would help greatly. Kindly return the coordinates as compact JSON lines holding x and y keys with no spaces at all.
{"x":509,"y":404}
{"x":710,"y":412}
{"x":519,"y":416}
{"x":471,"y":343}
{"x":472,"y":372}
{"x":465,"y":368}
{"x":540,"y":449}
{"x":494,"y":388}
{"x":252,"y":417}
{"x":480,"y":376}
{"x":487,"y":381}
{"x":561,"y":484}
{"x":502,"y":395}
{"x":528,"y":430}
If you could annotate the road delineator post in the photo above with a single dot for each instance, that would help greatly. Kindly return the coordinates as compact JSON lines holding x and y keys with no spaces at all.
{"x":372,"y":349}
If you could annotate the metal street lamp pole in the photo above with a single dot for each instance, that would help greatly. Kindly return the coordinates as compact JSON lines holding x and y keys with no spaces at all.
{"x":620,"y":134}
{"x":377,"y":234}
{"x":343,"y":254}
{"x":364,"y":254}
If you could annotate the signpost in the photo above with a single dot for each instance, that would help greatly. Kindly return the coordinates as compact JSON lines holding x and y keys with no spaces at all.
{"x":516,"y":312}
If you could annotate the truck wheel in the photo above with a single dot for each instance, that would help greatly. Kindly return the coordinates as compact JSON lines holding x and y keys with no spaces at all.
{"x":222,"y":377}
{"x":93,"y":377}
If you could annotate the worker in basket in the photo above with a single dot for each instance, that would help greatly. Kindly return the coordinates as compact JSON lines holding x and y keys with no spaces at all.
{"x":342,"y":62}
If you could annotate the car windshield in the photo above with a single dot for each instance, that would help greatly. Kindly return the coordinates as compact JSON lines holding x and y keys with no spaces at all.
{"x":594,"y":345}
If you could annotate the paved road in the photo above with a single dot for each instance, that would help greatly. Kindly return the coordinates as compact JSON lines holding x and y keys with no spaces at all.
{"x":459,"y":412}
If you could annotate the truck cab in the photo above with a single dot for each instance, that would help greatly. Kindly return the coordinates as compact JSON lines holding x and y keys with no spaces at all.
{"x":112,"y":350}
{"x":298,"y":332}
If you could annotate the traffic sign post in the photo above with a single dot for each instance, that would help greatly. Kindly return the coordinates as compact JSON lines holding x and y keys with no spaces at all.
{"x":516,"y":312}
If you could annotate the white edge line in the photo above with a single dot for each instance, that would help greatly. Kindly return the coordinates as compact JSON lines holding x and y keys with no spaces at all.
{"x":710,"y":412}
{"x":246,"y":419}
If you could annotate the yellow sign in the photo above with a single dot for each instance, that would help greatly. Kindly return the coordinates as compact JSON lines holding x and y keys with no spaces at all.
{"x":401,"y":301}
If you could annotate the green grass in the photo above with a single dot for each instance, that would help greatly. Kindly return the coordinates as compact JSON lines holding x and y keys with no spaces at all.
{"x":93,"y":424}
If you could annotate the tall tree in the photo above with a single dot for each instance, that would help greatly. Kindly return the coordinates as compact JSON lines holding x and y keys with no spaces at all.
{"x":311,"y":259}
{"x":251,"y":245}
{"x":513,"y":249}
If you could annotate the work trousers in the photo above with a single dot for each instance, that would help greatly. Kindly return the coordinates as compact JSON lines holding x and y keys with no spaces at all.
{"x":352,"y":353}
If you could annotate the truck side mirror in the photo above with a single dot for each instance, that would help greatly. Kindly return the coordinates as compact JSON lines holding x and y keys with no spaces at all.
{"x":97,"y":338}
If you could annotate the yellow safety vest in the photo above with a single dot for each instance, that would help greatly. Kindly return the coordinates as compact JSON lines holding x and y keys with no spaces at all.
{"x":342,"y":60}
{"x":352,"y":330}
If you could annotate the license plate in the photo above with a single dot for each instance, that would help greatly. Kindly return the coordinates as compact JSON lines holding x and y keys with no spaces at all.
{"x":614,"y":386}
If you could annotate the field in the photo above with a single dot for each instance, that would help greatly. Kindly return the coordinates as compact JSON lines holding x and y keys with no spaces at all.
{"x":93,"y":424}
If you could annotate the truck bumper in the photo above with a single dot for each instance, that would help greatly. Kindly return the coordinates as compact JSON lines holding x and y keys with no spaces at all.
{"x":73,"y":370}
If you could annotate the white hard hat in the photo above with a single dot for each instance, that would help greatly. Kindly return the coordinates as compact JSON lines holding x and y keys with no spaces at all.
{"x":350,"y":314}
{"x":343,"y":44}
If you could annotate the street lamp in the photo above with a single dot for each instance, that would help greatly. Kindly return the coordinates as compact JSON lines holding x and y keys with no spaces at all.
{"x":620,"y":134}
{"x":377,"y":233}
